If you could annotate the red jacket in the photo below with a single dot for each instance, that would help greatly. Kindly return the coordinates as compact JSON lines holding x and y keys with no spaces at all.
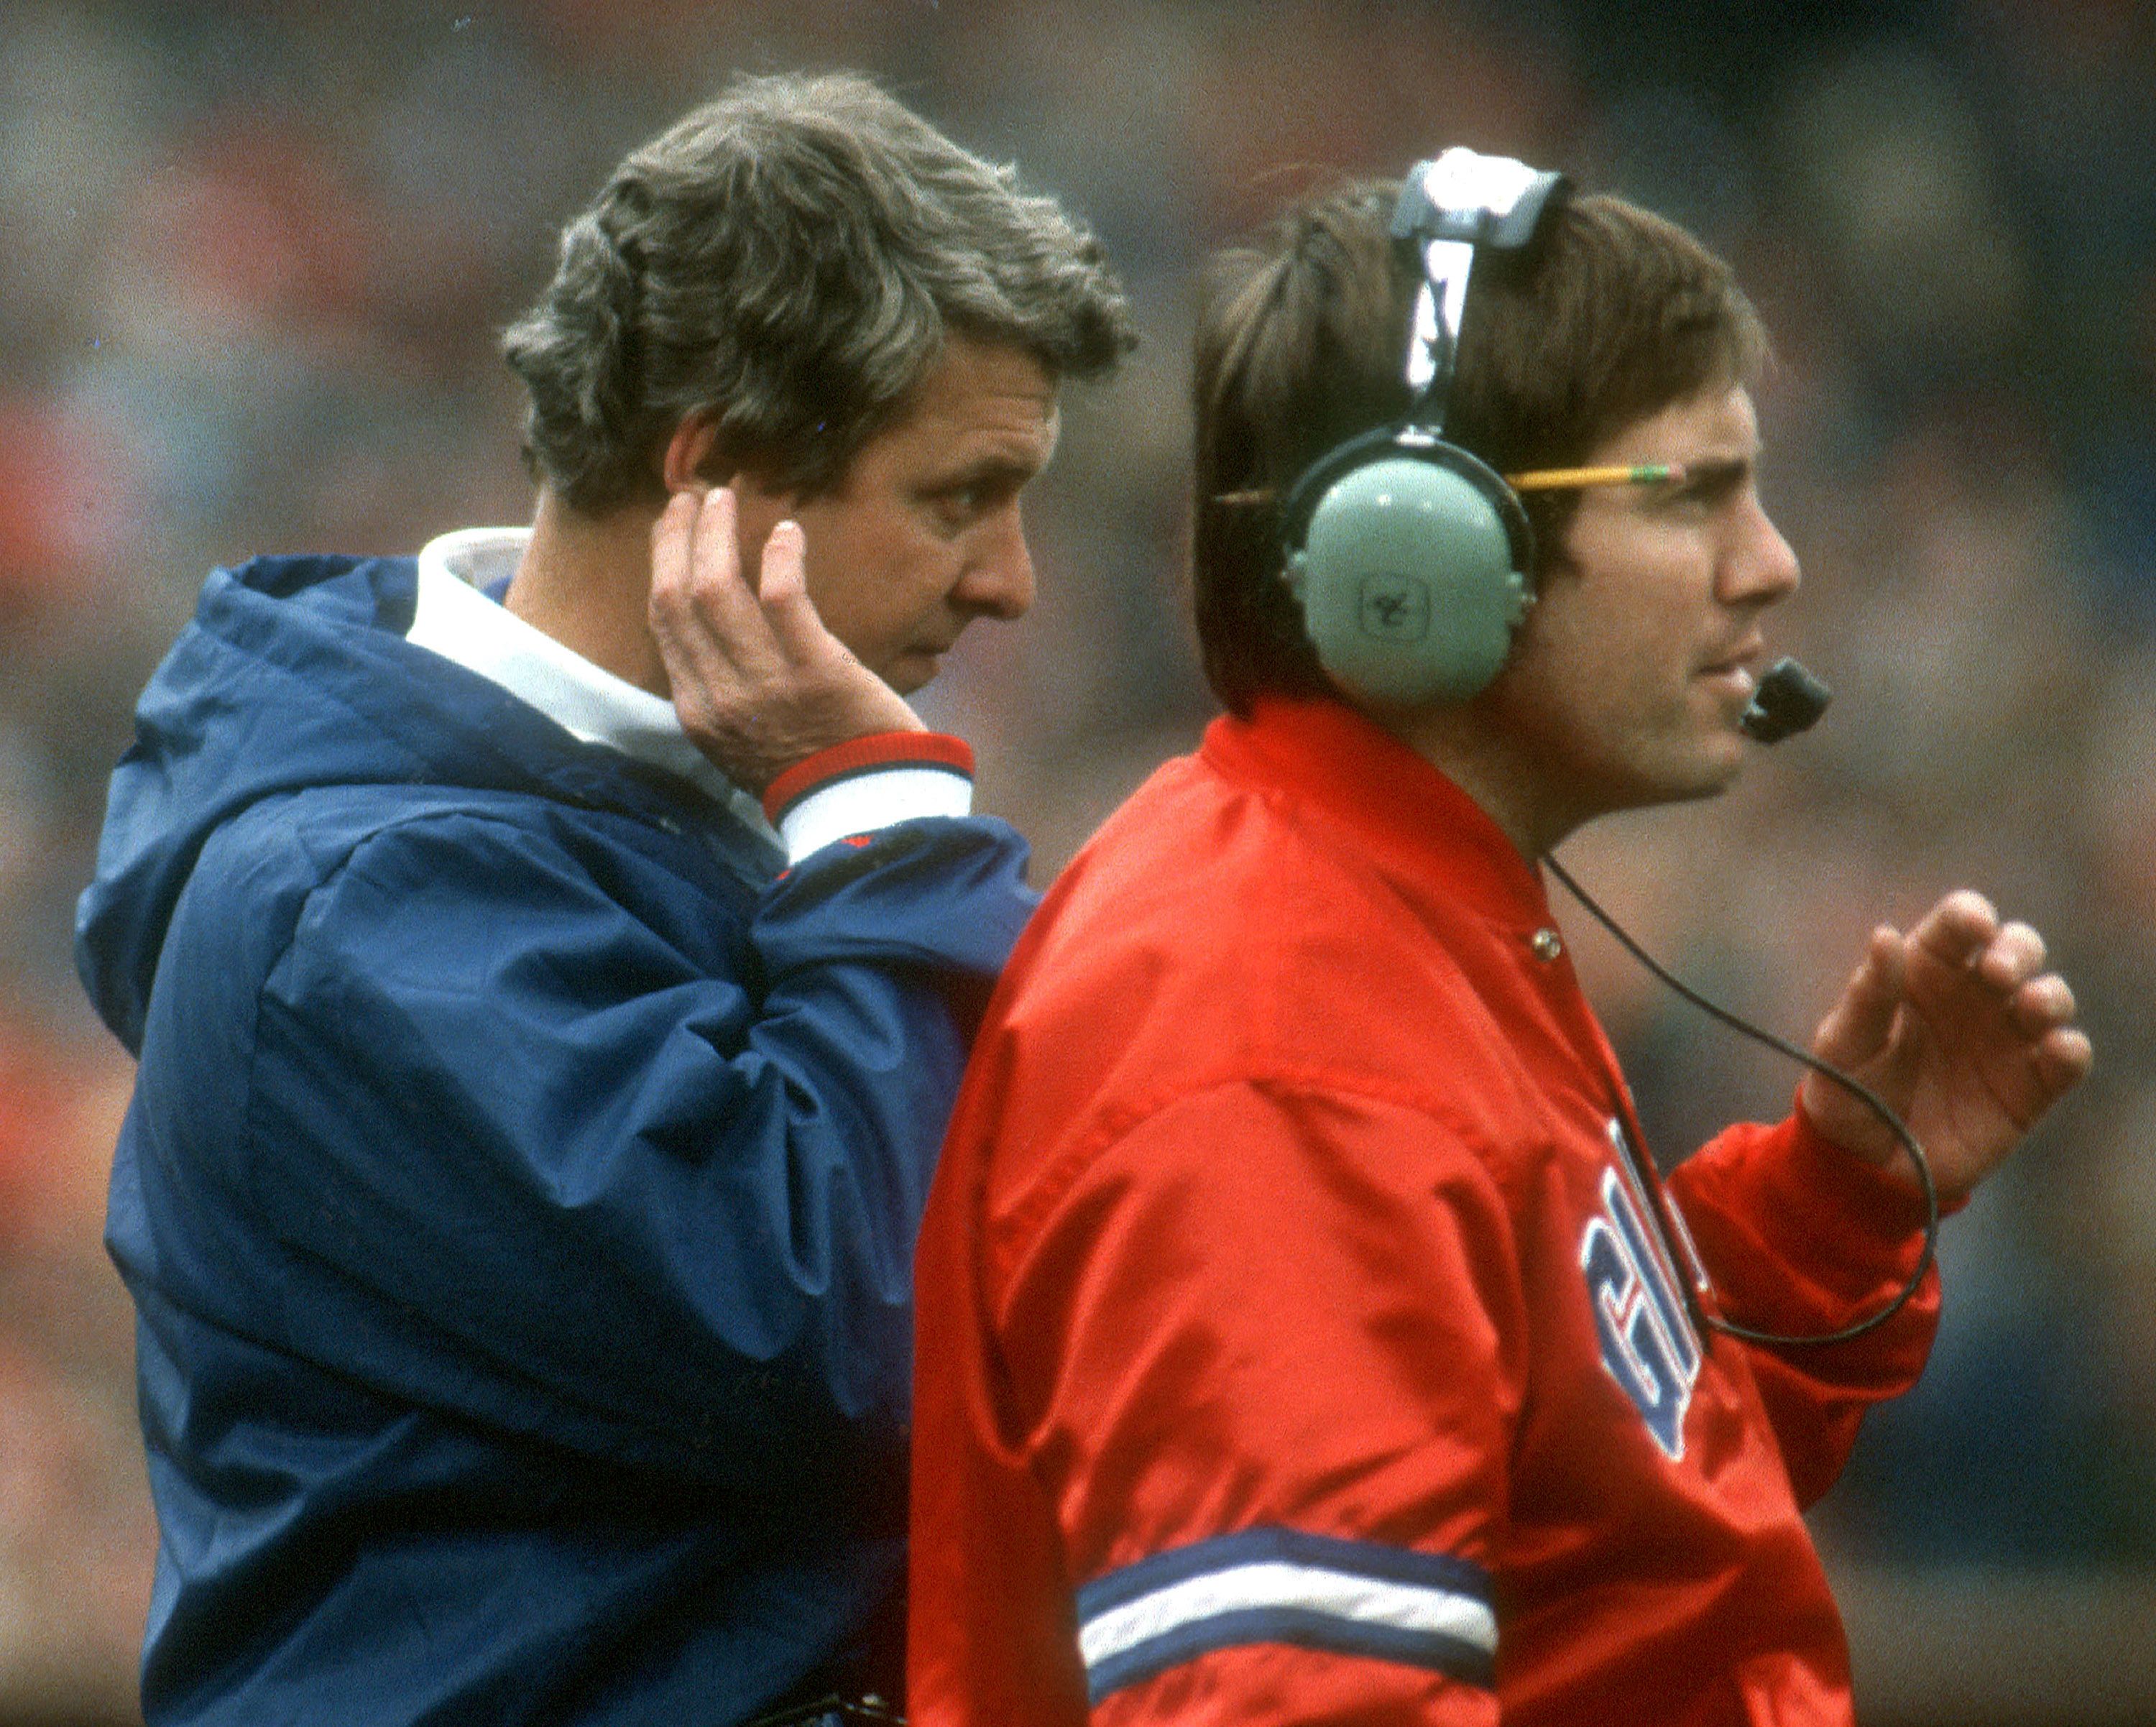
{"x":1298,"y":1338}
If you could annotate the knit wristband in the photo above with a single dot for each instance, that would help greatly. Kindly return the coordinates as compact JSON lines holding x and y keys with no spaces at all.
{"x":856,"y":789}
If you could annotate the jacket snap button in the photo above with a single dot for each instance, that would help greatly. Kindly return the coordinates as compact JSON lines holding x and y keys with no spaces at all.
{"x":1546,"y":943}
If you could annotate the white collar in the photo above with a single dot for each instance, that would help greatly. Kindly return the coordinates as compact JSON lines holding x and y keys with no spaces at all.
{"x":455,"y":618}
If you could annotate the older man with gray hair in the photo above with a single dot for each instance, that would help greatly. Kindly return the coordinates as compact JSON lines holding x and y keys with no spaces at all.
{"x":551,"y":958}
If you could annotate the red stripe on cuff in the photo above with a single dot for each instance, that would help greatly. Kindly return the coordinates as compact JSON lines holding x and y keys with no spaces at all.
{"x":881,"y":750}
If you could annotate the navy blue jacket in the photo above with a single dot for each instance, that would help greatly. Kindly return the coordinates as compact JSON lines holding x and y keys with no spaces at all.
{"x":518,"y":1193}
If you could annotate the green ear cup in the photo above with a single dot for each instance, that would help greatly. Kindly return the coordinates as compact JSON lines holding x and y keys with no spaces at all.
{"x":1411,"y":577}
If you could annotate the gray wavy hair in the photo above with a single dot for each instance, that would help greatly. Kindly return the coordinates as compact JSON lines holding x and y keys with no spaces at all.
{"x":789,"y":258}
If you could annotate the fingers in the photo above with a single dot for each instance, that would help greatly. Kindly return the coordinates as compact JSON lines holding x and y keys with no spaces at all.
{"x":2060,"y":1055}
{"x":677,"y":544}
{"x":699,"y":591}
{"x":1979,"y":980}
{"x":781,"y":571}
{"x":671,"y":537}
{"x":2063,"y":1060}
{"x":1963,"y":934}
{"x":782,"y":591}
{"x":2041,"y":1004}
{"x":2037,"y":1001}
{"x":1862,"y":1021}
{"x":757,"y":681}
{"x":1867,"y":1033}
{"x":697,"y":570}
{"x":2012,"y":957}
{"x":1958,"y":928}
{"x":1962,"y":1029}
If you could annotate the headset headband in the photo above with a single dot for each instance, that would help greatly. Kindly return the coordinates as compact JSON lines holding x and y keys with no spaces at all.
{"x":1448,"y":210}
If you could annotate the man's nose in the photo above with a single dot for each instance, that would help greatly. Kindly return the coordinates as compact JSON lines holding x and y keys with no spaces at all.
{"x":999,"y":583}
{"x":1762,"y":566}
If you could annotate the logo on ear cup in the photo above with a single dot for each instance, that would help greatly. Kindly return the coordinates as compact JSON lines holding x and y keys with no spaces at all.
{"x":1394,"y":608}
{"x":1408,"y":559}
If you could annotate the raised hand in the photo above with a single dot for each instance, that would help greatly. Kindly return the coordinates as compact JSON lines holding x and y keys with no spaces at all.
{"x":758,"y":682}
{"x":1957,"y":1025}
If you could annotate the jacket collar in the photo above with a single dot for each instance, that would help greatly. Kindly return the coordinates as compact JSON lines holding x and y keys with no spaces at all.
{"x":1412,"y":821}
{"x":456,"y":614}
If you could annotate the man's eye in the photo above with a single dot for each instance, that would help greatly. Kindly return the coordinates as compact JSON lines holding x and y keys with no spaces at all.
{"x":1712,"y":486}
{"x":961,"y":505}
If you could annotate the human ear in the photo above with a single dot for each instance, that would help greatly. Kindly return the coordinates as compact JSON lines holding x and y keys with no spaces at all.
{"x":686,"y":463}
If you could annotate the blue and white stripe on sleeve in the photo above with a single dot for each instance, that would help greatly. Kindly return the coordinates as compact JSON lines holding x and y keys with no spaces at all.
{"x":1280,"y":1585}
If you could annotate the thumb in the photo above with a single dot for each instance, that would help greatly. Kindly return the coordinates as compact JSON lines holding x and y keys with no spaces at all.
{"x":1865,"y":1033}
{"x":1858,"y":1026}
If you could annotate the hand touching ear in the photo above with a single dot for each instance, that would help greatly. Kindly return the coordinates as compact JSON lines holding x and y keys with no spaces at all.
{"x":1959,"y":1027}
{"x":758,"y":682}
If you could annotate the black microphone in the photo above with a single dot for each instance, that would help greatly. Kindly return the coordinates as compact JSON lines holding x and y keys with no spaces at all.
{"x":1788,"y":700}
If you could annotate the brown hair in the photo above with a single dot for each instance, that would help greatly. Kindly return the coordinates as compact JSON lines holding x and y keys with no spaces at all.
{"x":789,"y":258}
{"x":1613,"y":315}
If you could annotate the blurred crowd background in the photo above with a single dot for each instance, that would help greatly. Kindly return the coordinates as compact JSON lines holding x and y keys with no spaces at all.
{"x":253,"y":258}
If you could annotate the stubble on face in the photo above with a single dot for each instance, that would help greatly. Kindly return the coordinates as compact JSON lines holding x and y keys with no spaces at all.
{"x":1645,"y":646}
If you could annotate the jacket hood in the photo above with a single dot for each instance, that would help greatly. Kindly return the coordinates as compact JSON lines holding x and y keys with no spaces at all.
{"x":295,"y":673}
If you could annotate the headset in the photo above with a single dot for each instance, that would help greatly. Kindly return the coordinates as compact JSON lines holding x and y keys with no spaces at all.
{"x":1412,"y":559}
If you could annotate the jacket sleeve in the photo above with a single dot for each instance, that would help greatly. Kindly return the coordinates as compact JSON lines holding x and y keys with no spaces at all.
{"x":1799,"y":1237}
{"x":532,"y":1160}
{"x":1272,"y":1386}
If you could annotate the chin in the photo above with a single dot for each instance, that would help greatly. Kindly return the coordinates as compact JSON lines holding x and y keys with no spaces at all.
{"x":1700,"y":791}
{"x":909,"y":673}
{"x":1693,"y":777}
{"x":1713,"y":781}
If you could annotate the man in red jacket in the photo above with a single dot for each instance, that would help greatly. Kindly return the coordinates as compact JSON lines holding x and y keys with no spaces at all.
{"x":1303,"y":1335}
